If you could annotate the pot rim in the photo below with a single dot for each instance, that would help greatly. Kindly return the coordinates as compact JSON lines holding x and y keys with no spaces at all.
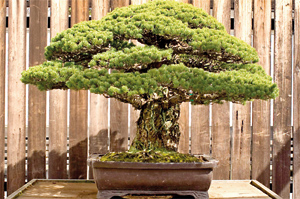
{"x":210,"y":163}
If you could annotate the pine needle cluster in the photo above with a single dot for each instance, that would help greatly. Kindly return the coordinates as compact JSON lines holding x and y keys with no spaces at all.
{"x":186,"y":56}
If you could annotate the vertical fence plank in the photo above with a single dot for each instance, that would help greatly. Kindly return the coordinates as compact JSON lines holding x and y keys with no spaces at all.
{"x":134,"y":116}
{"x":118,"y":126}
{"x":184,"y":128}
{"x":138,"y":2}
{"x":118,"y":3}
{"x":37,"y":99}
{"x":260,"y":108}
{"x":241,"y":135}
{"x":296,"y":143}
{"x":16,"y":95}
{"x":58,"y":104}
{"x":220,"y":113}
{"x":78,"y":109}
{"x":200,"y":137}
{"x":2,"y":92}
{"x":184,"y":120}
{"x":98,"y":130}
{"x":204,"y":4}
{"x":118,"y":110}
{"x":282,"y":104}
{"x":100,"y":8}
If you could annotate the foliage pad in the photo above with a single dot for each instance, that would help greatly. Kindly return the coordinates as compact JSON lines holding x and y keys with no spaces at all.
{"x":185,"y":51}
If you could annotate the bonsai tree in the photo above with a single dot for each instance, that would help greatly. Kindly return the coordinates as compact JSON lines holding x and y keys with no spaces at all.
{"x":186,"y":56}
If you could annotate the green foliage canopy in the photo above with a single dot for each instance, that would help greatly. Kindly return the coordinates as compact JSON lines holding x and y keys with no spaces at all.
{"x":186,"y":56}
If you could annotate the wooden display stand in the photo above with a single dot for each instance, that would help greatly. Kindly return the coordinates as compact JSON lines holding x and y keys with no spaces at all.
{"x":220,"y":189}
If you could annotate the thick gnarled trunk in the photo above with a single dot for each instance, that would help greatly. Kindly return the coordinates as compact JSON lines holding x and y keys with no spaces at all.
{"x":158,"y":127}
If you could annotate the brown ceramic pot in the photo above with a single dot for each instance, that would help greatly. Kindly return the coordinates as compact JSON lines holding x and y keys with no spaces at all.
{"x":123,"y":178}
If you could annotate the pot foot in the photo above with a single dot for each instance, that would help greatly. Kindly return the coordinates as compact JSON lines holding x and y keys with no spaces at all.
{"x":108,"y":194}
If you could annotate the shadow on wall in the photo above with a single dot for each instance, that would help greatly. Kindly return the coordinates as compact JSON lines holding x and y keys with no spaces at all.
{"x":60,"y":166}
{"x":280,"y":163}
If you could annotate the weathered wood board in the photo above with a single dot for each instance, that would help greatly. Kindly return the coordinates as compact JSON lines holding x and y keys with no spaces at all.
{"x":282,"y":104}
{"x":118,"y":110}
{"x":200,"y":135}
{"x":2,"y":93}
{"x":241,"y":135}
{"x":184,"y":128}
{"x":220,"y":130}
{"x":57,"y":189}
{"x":242,"y":189}
{"x":37,"y":99}
{"x":296,"y":133}
{"x":98,"y":129}
{"x":16,"y":96}
{"x":78,"y":109}
{"x":58,"y":104}
{"x":220,"y":189}
{"x":261,"y":109}
{"x":204,"y":4}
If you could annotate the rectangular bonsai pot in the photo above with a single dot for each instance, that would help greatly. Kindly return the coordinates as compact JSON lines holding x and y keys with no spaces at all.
{"x":116,"y":178}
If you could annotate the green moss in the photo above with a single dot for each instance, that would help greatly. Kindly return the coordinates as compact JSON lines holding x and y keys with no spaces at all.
{"x":150,"y":156}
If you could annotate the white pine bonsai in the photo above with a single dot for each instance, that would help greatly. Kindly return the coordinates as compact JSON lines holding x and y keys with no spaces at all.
{"x":187,"y":56}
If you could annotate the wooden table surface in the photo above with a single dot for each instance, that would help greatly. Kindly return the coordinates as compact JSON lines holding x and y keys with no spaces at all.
{"x":67,"y":189}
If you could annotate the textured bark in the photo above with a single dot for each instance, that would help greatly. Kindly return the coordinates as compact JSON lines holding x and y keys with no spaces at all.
{"x":158,"y":127}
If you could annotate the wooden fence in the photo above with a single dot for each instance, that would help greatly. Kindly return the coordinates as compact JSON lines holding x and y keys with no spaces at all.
{"x":249,"y":148}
